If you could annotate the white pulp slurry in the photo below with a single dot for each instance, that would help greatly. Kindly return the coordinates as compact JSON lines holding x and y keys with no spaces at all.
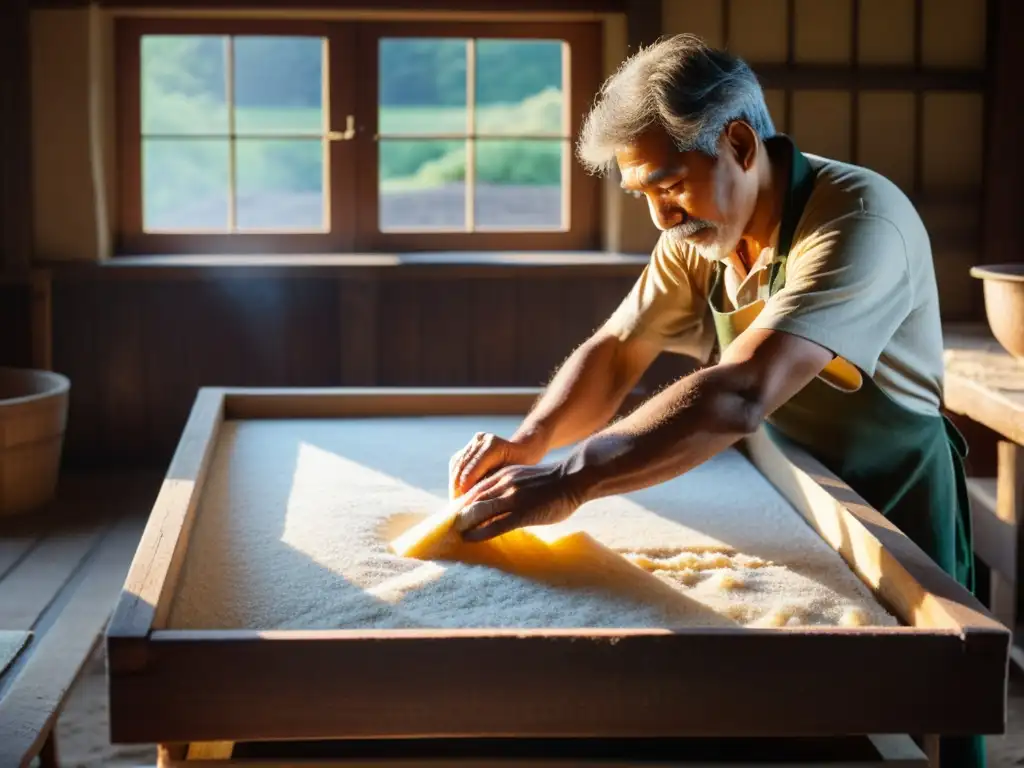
{"x":295,"y":518}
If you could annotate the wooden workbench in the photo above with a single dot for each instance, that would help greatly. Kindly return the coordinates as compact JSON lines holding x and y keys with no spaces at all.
{"x":985,"y":384}
{"x":215,"y":693}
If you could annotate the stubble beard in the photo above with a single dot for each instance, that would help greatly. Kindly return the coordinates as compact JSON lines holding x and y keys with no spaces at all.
{"x":715,"y":248}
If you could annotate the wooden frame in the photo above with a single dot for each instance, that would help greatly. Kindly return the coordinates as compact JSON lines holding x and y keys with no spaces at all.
{"x":877,"y":751}
{"x":943,"y":672}
{"x":351,"y":156}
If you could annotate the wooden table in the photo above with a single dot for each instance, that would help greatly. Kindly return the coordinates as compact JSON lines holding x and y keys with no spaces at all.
{"x":985,"y":384}
{"x":234,"y":696}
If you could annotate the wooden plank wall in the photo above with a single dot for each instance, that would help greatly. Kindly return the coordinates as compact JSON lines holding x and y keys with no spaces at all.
{"x":15,"y":323}
{"x":898,"y":86}
{"x":136,"y":350}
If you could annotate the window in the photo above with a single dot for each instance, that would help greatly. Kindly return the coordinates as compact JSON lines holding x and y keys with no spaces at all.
{"x":275,"y":137}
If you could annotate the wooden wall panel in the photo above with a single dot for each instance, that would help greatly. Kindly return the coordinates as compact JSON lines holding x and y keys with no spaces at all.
{"x":75,"y":310}
{"x":399,"y":343}
{"x":698,"y":17}
{"x":357,"y":302}
{"x":494,"y":332}
{"x":137,"y":350}
{"x":15,"y":324}
{"x":1004,"y":162}
{"x":953,"y":34}
{"x":885,"y":135}
{"x":886,"y":32}
{"x":758,"y":30}
{"x":823,"y":31}
{"x":64,"y":193}
{"x":775,"y":98}
{"x":953,"y":142}
{"x":959,"y":293}
{"x":821,"y":123}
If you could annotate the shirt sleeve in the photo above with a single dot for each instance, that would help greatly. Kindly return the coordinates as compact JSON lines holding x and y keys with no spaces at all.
{"x":668,"y":304}
{"x":847,"y":288}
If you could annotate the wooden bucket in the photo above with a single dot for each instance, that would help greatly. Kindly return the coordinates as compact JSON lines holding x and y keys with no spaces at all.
{"x":33,"y":415}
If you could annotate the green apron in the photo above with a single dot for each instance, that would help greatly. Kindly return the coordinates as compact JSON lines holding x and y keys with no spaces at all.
{"x":907,"y":465}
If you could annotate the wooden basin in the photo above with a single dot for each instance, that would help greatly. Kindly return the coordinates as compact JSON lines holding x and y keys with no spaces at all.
{"x":1004,"y":303}
{"x":33,"y":415}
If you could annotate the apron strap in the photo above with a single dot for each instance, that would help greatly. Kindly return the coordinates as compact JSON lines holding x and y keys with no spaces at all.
{"x":798,"y":192}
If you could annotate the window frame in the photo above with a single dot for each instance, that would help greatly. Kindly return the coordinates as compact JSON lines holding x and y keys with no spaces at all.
{"x":132,"y":239}
{"x":352,"y":181}
{"x":584,"y":70}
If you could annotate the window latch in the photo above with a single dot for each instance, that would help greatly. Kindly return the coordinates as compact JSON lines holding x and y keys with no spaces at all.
{"x":346,"y":135}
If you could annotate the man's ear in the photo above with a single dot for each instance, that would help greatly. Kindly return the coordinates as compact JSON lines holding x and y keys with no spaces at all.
{"x":742,"y":142}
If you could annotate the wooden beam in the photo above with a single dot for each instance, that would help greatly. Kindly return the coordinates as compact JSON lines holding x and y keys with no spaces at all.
{"x":506,"y":6}
{"x":1004,"y":165}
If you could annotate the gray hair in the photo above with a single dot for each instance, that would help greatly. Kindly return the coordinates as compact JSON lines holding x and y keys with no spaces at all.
{"x":688,"y":88}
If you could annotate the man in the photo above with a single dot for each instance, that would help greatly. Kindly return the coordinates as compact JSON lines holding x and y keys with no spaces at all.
{"x":814,"y":277}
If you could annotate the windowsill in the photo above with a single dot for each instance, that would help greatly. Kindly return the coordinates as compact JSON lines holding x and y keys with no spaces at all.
{"x":440,"y":264}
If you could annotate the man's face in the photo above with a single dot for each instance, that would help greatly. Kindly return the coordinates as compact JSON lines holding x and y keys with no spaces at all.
{"x":703,"y":201}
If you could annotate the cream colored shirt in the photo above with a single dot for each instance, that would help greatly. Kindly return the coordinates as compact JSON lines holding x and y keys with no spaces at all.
{"x":859,"y":282}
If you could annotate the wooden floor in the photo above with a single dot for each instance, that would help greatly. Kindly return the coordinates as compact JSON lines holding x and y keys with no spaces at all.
{"x":61,"y":570}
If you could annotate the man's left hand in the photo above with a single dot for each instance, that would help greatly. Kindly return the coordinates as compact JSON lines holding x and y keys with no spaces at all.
{"x":513,"y":497}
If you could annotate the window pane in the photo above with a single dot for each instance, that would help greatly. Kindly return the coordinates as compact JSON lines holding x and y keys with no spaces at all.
{"x":280,"y":184}
{"x":519,"y":87}
{"x":422,"y":184}
{"x":422,"y":86}
{"x":278,"y":85}
{"x":184,"y":90}
{"x":519,"y":184}
{"x":185,"y":184}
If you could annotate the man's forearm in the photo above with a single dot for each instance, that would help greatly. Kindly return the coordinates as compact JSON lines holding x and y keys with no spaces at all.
{"x":676,"y":430}
{"x":583,"y":396}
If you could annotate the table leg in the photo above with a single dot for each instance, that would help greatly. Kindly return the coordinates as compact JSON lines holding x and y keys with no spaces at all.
{"x":930,"y":746}
{"x":48,"y":754}
{"x":1010,"y":510}
{"x":210,"y":750}
{"x":169,"y":754}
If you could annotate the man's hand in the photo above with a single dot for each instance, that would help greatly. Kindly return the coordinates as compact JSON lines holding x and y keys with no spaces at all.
{"x":584,"y":396}
{"x":484,"y":454}
{"x":514,"y":497}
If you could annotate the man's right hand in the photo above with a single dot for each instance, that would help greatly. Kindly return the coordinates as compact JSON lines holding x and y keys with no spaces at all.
{"x":484,"y":454}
